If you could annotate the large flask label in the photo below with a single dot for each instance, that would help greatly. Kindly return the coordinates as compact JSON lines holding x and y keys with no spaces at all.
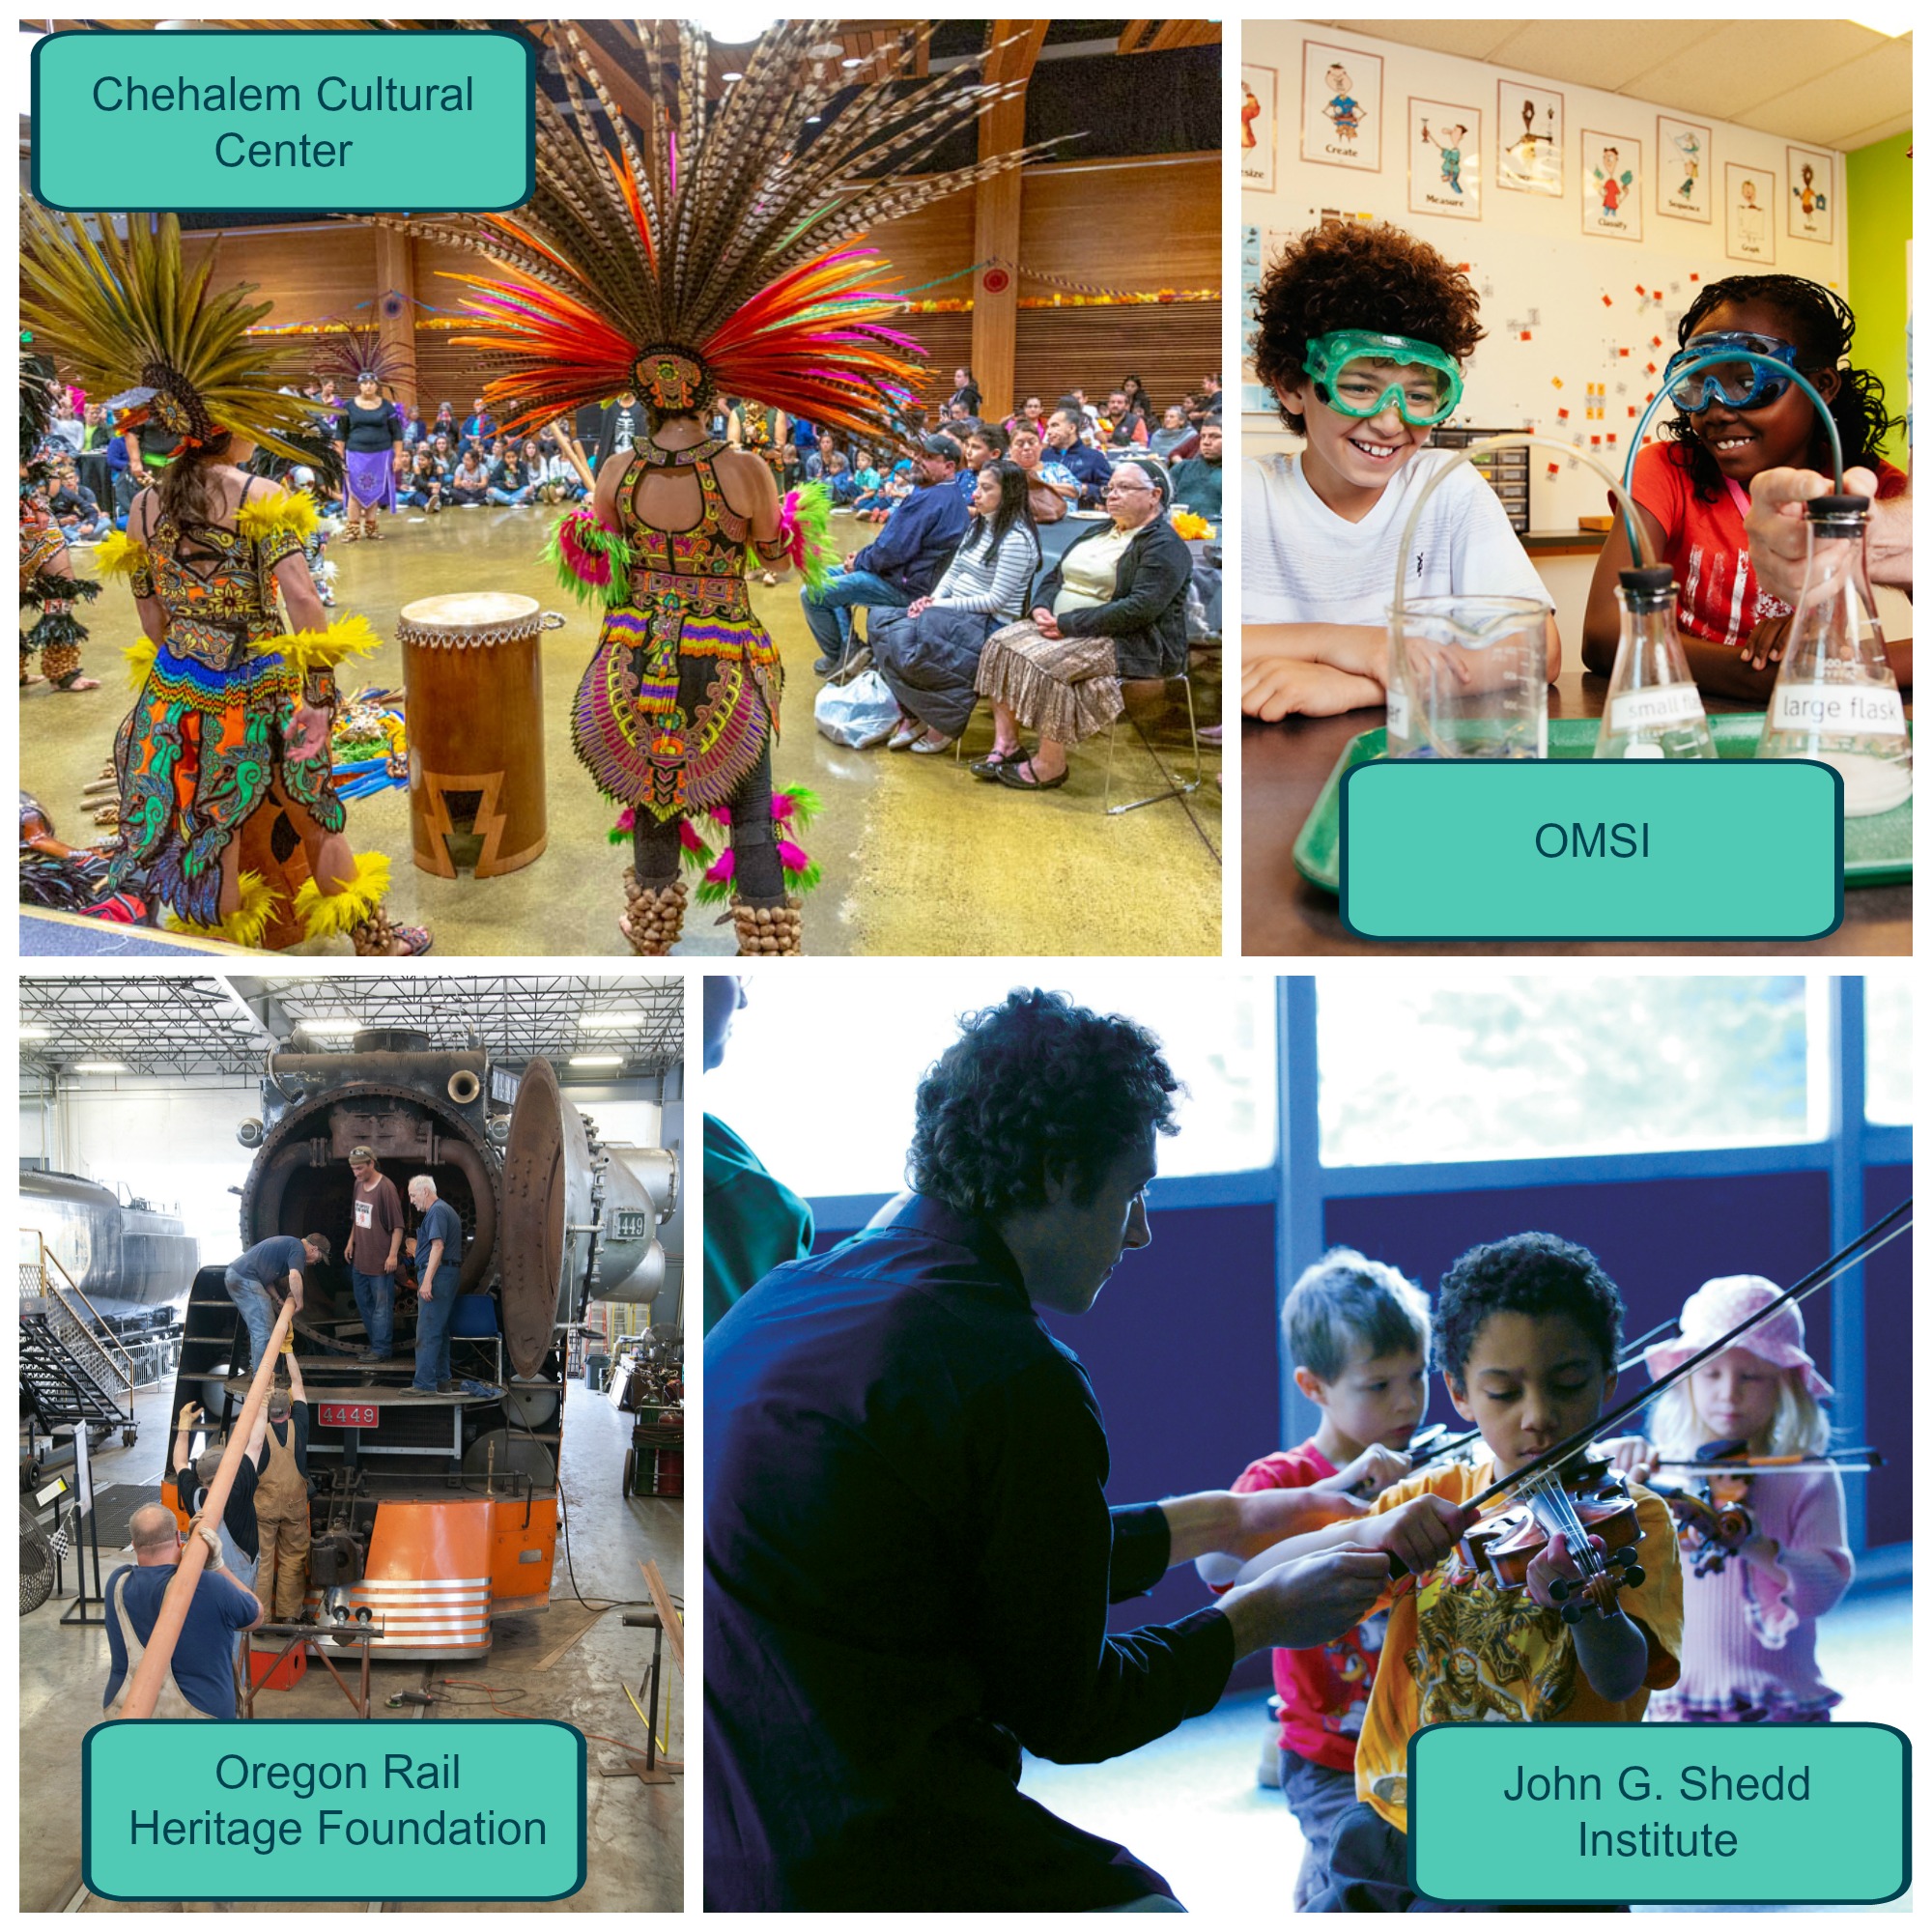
{"x":1840,"y":709}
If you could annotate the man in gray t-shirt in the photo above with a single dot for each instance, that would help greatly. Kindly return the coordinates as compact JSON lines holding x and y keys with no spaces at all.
{"x":374,"y":1244}
{"x":250,"y":1277}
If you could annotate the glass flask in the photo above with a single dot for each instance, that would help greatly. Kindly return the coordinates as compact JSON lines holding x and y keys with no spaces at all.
{"x":1653,"y":710}
{"x":1836,"y":698}
{"x":1469,"y":679}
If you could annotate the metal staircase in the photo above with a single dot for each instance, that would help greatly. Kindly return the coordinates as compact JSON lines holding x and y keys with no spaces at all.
{"x":211,"y":1335}
{"x":70,"y":1373}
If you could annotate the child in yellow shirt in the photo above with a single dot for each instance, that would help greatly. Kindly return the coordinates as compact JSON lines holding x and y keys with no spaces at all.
{"x":1527,"y":1332}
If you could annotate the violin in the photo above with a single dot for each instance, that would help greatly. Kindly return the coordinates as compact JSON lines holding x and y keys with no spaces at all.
{"x":1586,"y":1497}
{"x":1711,"y":1509}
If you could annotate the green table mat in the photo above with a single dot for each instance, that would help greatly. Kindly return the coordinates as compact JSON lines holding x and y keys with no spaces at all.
{"x":1877,"y":850}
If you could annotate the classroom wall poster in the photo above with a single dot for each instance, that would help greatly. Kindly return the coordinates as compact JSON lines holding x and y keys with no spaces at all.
{"x":1612,"y":175}
{"x":1529,"y":138}
{"x":1258,"y":113}
{"x":1255,"y":399}
{"x":1750,"y":197}
{"x":1811,"y":202}
{"x":1445,"y":159}
{"x":1341,"y":107}
{"x":1683,"y":169}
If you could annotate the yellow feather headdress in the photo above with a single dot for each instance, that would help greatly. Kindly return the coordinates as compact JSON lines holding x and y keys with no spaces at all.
{"x":128,"y":316}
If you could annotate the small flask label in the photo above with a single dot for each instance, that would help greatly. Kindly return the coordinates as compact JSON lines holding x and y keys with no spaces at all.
{"x":1398,"y":714}
{"x":1660,"y":706}
{"x":1841,"y":709}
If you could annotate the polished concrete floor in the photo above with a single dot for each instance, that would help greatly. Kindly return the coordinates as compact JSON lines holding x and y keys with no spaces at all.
{"x":1189,"y":1804}
{"x":635,"y":1831}
{"x":918,"y":857}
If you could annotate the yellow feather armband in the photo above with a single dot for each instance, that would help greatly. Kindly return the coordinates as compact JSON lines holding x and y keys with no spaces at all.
{"x":329,"y":915}
{"x":309,"y":651}
{"x":121,"y":555}
{"x":292,"y":510}
{"x":140,"y":660}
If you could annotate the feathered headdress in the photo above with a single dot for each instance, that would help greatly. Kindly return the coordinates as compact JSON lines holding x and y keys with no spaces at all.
{"x":358,"y":350}
{"x":721,"y":247}
{"x":130,"y":316}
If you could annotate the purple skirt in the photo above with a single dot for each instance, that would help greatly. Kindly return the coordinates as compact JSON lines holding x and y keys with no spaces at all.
{"x":372,"y":480}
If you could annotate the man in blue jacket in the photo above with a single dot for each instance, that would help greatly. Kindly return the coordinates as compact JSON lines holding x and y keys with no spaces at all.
{"x":904,"y":561}
{"x":1089,"y":469}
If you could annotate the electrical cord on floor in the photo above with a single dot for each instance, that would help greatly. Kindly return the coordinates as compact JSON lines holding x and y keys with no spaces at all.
{"x":563,"y":1511}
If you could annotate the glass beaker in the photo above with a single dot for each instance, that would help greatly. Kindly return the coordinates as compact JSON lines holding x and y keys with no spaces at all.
{"x":1469,"y":678}
{"x":1836,"y":698}
{"x":1653,"y":710}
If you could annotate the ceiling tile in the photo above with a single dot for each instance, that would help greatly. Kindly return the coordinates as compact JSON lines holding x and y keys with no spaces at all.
{"x":1756,"y":64}
{"x":1471,"y":40}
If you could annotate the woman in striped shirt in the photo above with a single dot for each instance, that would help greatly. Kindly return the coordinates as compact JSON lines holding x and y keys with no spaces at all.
{"x":930,"y":653}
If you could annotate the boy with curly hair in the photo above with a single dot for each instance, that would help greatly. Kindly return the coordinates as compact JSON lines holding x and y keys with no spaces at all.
{"x":1363,"y":331}
{"x":1527,"y":1333}
{"x":908,"y":1553}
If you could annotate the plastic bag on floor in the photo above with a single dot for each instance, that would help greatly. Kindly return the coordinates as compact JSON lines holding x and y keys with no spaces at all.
{"x":860,"y":713}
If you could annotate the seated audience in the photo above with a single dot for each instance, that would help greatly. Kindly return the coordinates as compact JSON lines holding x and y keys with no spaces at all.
{"x":509,"y":485}
{"x":1084,"y":464}
{"x":422,"y":488}
{"x":929,"y":655}
{"x":1197,"y":481}
{"x":479,"y":427}
{"x":1113,"y":608}
{"x":72,"y":507}
{"x":470,"y":481}
{"x":1172,"y":432}
{"x":902,"y":563}
{"x":1050,"y":486}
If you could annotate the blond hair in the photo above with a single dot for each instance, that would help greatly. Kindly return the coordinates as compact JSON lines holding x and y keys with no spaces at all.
{"x":1798,"y":1427}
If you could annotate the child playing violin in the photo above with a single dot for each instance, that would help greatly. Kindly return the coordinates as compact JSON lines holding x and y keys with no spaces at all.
{"x":1527,"y":1332}
{"x":1357,"y":1333}
{"x":1752,"y":1609}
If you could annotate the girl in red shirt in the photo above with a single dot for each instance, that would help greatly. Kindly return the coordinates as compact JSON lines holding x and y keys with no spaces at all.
{"x":1692,"y":489}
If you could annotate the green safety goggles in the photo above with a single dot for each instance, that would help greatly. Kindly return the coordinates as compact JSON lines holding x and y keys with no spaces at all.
{"x":1355,"y":374}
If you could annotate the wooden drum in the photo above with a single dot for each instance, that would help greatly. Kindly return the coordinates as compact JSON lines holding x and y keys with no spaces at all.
{"x":474,"y":689}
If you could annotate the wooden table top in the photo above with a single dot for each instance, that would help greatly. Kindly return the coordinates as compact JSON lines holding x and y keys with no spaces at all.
{"x":1283,"y":769}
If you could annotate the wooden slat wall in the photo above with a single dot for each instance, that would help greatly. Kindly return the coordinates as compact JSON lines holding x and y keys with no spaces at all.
{"x":1127,"y":226}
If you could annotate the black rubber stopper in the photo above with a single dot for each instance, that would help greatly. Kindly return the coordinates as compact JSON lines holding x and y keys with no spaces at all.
{"x":1820,"y":508}
{"x":1648,"y":587}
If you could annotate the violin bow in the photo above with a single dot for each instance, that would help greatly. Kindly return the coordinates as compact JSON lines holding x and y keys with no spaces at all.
{"x":1856,"y":1463}
{"x":1849,"y":1256}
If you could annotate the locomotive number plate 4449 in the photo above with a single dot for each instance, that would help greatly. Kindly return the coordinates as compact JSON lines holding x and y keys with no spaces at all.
{"x":348,"y":1414}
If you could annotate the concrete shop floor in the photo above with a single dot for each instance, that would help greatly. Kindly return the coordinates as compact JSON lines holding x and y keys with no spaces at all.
{"x":1189,"y":1804}
{"x":635,"y":1831}
{"x":918,"y":857}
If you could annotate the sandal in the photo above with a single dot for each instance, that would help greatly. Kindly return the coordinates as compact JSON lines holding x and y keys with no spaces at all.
{"x":925,"y":743}
{"x":994,"y":763}
{"x":1009,"y":777}
{"x":76,"y":682}
{"x":417,"y":939}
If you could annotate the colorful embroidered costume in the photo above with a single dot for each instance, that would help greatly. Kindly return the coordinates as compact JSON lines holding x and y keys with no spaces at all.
{"x":47,"y":583}
{"x":706,"y":246}
{"x":680,"y":704}
{"x":203,"y":749}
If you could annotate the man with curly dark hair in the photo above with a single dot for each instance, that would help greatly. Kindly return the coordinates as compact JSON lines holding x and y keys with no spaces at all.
{"x":908,"y":1553}
{"x":1363,"y":331}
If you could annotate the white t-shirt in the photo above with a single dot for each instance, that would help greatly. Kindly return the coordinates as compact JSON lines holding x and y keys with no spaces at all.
{"x":1303,"y":564}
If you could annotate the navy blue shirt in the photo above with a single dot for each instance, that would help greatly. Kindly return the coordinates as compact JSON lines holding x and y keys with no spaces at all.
{"x":908,"y":1559}
{"x":916,"y":541}
{"x":440,"y":1224}
{"x":204,"y":1658}
{"x":270,"y":1259}
{"x":1090,"y":469}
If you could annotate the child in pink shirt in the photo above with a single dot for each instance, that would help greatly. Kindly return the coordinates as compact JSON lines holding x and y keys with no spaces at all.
{"x":1357,"y":1333}
{"x":1750,"y":1620}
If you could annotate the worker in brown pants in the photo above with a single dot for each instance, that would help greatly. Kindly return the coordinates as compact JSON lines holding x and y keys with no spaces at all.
{"x":281,"y":1504}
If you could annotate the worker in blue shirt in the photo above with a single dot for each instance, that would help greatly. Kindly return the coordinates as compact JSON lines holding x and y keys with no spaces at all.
{"x":438,"y":1251}
{"x":903,"y":562}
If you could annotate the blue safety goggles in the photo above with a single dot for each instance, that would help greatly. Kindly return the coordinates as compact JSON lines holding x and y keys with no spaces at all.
{"x":1742,"y":384}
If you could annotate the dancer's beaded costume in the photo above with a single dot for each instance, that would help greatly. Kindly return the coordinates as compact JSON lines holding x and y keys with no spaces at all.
{"x":206,"y":744}
{"x":204,"y":758}
{"x":682,"y":697}
{"x":719,"y":248}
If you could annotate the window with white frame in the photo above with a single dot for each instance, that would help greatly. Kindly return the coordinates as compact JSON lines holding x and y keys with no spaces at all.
{"x":819,"y":1076}
{"x":1518,"y":1069}
{"x":1888,"y":1050}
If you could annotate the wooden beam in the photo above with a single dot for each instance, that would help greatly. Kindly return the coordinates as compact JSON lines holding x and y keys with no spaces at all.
{"x":668,"y":1616}
{"x":1012,"y":52}
{"x":396,"y":274}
